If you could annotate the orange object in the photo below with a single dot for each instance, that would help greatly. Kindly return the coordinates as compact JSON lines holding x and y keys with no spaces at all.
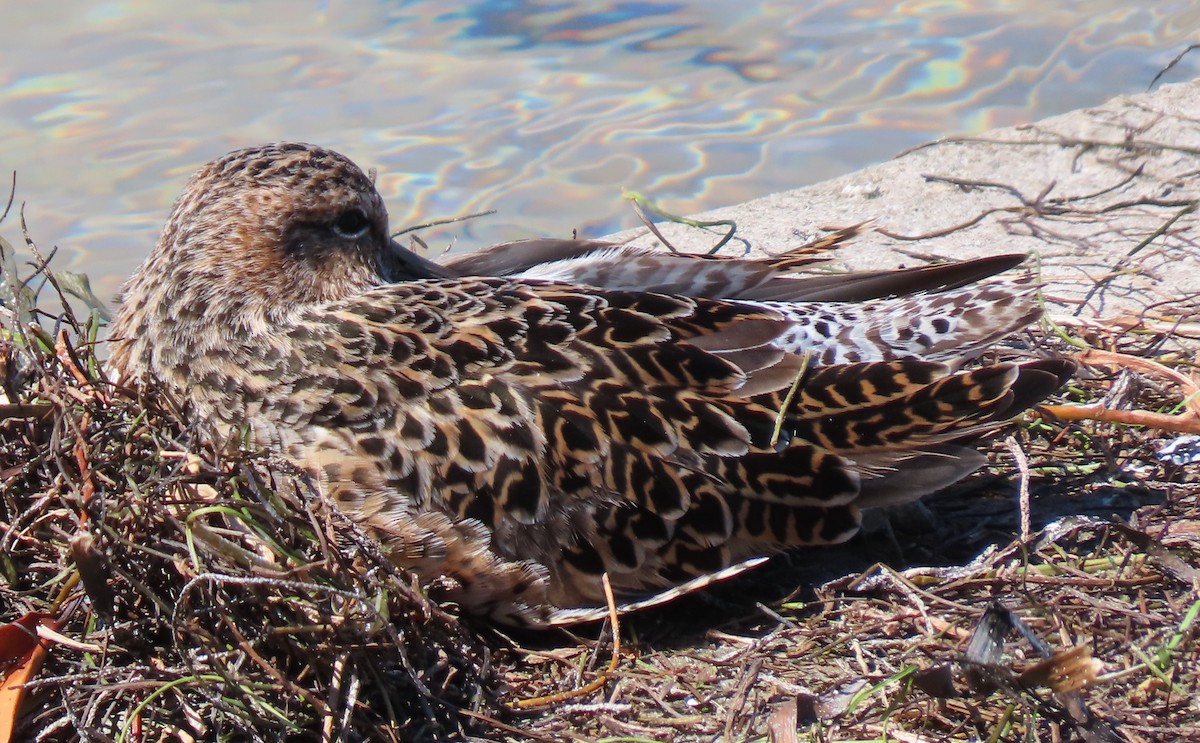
{"x":21,"y":655}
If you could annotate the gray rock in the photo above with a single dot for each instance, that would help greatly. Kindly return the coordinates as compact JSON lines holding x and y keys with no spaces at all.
{"x":1103,"y":196}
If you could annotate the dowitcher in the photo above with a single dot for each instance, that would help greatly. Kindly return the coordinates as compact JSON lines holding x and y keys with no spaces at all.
{"x":578,"y":410}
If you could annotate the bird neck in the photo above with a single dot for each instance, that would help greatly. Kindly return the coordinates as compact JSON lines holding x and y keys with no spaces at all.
{"x":183,"y":337}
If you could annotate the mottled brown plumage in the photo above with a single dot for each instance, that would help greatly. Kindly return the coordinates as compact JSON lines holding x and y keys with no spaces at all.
{"x":525,"y":432}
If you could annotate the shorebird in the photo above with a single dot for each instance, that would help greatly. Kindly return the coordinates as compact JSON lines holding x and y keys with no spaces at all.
{"x":520,"y":423}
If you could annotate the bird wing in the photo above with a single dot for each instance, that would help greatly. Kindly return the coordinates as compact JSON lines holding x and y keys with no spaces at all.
{"x":636,"y":434}
{"x":616,"y":266}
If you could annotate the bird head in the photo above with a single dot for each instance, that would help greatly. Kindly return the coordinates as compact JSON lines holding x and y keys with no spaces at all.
{"x":257,"y":235}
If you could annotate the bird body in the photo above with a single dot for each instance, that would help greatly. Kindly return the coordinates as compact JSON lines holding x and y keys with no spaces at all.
{"x":528,"y":420}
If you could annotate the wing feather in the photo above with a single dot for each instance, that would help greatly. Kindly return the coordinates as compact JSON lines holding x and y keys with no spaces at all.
{"x":629,"y":433}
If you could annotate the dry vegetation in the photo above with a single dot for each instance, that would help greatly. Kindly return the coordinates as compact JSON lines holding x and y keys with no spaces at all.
{"x":186,"y":589}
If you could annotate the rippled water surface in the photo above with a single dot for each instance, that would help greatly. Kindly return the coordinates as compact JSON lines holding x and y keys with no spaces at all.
{"x":540,"y":109}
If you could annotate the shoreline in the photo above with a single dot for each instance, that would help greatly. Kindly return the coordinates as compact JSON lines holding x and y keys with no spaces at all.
{"x":1093,"y":192}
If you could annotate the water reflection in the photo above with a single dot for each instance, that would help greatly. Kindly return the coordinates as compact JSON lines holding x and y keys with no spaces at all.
{"x":541,"y":109}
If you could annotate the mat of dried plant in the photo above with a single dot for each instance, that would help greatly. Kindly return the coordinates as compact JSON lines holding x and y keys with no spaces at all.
{"x":157,"y":584}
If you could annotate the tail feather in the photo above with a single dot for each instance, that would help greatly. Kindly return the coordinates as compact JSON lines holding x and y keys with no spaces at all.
{"x":914,"y":475}
{"x":867,"y":285}
{"x":615,"y":266}
{"x":936,"y":412}
{"x":953,"y":326}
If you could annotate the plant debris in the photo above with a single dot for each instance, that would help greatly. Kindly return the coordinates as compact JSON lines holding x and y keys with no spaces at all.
{"x":157,"y":583}
{"x":196,"y":590}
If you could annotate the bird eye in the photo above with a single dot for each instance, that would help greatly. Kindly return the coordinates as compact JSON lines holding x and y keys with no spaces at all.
{"x":351,"y":224}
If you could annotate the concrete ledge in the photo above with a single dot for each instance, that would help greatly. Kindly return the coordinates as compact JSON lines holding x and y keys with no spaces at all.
{"x":1098,"y":192}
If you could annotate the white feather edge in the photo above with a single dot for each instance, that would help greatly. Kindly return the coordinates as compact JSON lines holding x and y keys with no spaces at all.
{"x":560,"y":617}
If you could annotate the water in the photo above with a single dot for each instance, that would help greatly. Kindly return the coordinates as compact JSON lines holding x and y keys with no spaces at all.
{"x":540,"y":109}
